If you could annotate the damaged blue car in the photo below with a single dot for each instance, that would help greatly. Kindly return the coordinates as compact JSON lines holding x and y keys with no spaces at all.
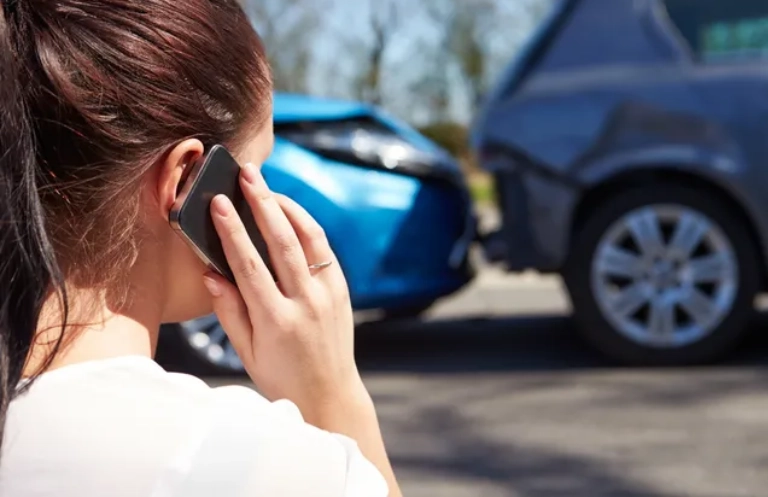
{"x":395,"y":207}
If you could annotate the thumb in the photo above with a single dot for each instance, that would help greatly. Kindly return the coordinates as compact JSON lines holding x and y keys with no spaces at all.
{"x":232,"y":313}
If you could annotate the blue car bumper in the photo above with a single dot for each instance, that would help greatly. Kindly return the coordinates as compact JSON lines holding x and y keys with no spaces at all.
{"x":425,"y":254}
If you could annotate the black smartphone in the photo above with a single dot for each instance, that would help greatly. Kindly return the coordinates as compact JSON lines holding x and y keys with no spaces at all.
{"x":215,"y":173}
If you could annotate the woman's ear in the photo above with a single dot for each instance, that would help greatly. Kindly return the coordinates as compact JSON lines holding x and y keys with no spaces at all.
{"x":173,"y":170}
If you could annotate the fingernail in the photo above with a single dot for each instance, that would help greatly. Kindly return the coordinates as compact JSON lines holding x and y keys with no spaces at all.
{"x":221,"y":205}
{"x":212,"y":285}
{"x":249,"y":173}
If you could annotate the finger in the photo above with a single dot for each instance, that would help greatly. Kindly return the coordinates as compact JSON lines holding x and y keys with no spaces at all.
{"x":285,"y":252}
{"x":232,"y":312}
{"x":254,"y":281}
{"x":315,"y":244}
{"x":311,"y":235}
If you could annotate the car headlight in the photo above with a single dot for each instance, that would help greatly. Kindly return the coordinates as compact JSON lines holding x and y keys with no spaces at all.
{"x":363,"y":142}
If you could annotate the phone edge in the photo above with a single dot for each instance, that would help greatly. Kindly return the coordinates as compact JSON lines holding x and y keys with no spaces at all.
{"x":174,"y":216}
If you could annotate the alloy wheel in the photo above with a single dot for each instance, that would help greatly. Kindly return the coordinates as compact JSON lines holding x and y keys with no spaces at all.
{"x":664,"y":276}
{"x":207,"y":338}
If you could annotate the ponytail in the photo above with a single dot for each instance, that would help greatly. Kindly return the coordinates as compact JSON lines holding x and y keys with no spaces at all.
{"x":28,"y":268}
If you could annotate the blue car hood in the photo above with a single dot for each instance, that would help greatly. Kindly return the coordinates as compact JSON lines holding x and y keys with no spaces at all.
{"x":290,"y":107}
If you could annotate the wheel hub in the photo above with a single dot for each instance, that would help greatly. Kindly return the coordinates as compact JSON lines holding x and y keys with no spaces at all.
{"x":208,"y":339}
{"x":664,"y":276}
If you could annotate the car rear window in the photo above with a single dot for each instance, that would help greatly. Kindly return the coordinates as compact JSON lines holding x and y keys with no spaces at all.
{"x":719,"y":30}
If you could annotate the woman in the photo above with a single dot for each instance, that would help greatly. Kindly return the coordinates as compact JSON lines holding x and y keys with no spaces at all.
{"x":105,"y":104}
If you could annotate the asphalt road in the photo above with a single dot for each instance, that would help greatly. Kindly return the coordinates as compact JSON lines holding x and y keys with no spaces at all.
{"x":515,"y":405}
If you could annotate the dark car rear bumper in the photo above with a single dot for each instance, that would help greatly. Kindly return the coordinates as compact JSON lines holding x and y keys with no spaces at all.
{"x":536,"y":213}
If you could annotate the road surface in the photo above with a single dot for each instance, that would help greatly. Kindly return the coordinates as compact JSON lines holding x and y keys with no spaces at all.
{"x":515,"y":405}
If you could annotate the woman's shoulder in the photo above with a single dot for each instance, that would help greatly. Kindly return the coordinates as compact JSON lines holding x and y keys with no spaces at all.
{"x":126,"y":402}
{"x":80,"y":424}
{"x":128,"y":427}
{"x":125,"y":420}
{"x":125,"y":379}
{"x":132,"y":393}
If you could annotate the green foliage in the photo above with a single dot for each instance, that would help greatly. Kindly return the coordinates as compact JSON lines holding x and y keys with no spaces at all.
{"x":451,"y":136}
{"x":481,"y":188}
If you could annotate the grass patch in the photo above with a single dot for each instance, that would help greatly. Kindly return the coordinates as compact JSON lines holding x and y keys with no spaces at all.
{"x":481,"y":188}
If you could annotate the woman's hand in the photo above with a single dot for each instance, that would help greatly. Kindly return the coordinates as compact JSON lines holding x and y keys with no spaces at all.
{"x":294,"y":338}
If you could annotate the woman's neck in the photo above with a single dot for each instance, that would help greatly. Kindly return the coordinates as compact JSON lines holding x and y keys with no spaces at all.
{"x":94,"y":330}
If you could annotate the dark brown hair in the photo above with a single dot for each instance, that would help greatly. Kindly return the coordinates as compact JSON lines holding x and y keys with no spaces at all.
{"x":92,"y":93}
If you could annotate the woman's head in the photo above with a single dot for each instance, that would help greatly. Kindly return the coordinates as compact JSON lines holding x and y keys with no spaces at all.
{"x":104,"y":103}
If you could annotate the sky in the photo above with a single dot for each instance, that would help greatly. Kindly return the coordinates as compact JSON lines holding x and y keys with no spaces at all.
{"x":344,"y":30}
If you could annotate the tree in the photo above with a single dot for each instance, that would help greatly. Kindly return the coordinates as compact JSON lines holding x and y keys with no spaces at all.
{"x":479,"y":36}
{"x":288,"y":29}
{"x":465,"y":26}
{"x":384,"y":22}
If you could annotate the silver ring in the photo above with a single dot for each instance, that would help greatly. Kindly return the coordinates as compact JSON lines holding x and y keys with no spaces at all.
{"x":321,"y":265}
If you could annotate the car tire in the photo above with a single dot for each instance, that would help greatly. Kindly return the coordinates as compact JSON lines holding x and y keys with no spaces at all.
{"x":589,"y":275}
{"x":175,"y":352}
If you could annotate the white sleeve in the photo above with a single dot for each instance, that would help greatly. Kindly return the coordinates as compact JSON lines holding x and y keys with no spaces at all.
{"x":249,"y":447}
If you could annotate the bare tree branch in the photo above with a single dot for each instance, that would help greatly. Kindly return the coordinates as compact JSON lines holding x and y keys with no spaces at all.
{"x":384,"y":24}
{"x":288,"y":29}
{"x":470,"y":32}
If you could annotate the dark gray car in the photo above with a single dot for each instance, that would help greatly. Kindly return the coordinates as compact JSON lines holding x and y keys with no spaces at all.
{"x":629,"y":143}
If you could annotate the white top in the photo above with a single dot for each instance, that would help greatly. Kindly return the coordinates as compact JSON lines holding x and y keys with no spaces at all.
{"x":125,"y":427}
